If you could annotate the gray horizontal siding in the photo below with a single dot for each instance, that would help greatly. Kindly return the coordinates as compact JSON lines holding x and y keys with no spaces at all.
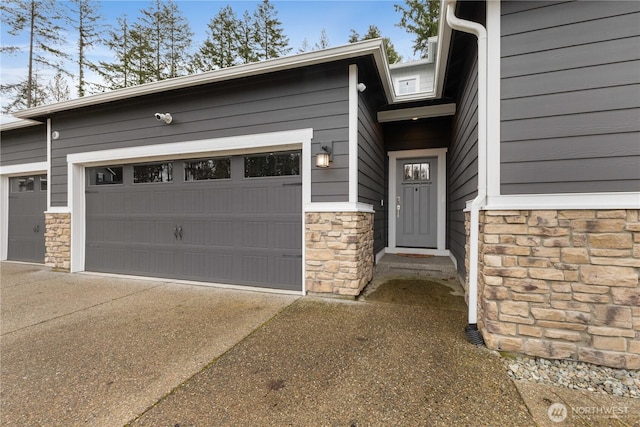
{"x":570,"y":89}
{"x":308,"y":98}
{"x":462,"y":175}
{"x":25,"y":145}
{"x":372,"y":188}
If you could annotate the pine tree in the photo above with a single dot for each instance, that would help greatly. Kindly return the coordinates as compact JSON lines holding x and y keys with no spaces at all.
{"x":179,"y":41}
{"x":85,"y":20}
{"x":304,"y":47}
{"x":35,"y":88}
{"x":119,"y":74}
{"x":41,"y":21}
{"x":221,"y":49}
{"x":168,"y":37}
{"x":324,"y":41}
{"x":270,"y":37}
{"x":373,"y":33}
{"x":420,"y":17}
{"x":246,"y":39}
{"x":58,"y":89}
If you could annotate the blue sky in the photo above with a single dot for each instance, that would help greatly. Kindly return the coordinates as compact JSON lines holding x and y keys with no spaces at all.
{"x":300,"y":19}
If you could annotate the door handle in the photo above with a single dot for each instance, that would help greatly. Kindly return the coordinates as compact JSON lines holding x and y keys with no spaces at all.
{"x":397,"y":207}
{"x":37,"y":228}
{"x":180,"y":232}
{"x":175,"y":232}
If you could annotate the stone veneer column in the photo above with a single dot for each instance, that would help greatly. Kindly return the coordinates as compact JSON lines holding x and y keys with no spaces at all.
{"x":339,"y":252}
{"x":58,"y":241}
{"x":562,"y":284}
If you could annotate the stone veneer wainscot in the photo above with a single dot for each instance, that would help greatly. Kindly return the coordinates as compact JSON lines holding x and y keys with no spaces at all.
{"x":58,"y":241}
{"x":561,"y":284}
{"x":339,"y":252}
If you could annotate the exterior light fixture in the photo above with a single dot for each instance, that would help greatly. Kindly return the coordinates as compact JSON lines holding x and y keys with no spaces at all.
{"x":325,"y":156}
{"x":361,"y":87}
{"x":164,"y":117}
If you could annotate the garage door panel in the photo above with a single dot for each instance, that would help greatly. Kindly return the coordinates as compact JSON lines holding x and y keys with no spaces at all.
{"x":232,"y":230}
{"x":287,"y":235}
{"x":286,"y":199}
{"x":26,"y":225}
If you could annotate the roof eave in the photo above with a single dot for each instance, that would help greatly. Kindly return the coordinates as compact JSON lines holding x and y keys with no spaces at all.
{"x":18,"y":124}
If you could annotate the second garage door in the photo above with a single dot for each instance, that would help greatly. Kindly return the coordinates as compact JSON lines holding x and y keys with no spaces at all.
{"x":235,"y":220}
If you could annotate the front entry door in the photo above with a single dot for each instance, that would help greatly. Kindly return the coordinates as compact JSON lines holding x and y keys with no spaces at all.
{"x":416,"y":202}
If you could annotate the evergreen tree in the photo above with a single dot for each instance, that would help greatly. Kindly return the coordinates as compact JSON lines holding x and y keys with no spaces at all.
{"x":420,"y":17}
{"x":21,"y":92}
{"x":222,"y":47}
{"x":168,"y":37}
{"x":58,"y":89}
{"x":304,"y":47}
{"x":373,"y":33}
{"x":324,"y":41}
{"x":85,"y":20}
{"x":246,"y":39}
{"x":270,"y":38}
{"x":40,"y":20}
{"x":119,"y":74}
{"x":179,"y":41}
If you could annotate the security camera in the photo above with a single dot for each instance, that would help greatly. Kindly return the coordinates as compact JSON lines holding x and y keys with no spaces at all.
{"x":164,"y":117}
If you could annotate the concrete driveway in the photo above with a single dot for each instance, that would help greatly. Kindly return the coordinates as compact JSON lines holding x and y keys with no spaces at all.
{"x":88,"y":350}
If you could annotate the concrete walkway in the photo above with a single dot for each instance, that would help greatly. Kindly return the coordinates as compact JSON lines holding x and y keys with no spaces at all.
{"x":88,"y":350}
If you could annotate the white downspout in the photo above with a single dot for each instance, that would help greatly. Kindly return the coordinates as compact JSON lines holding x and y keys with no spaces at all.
{"x":480,"y":201}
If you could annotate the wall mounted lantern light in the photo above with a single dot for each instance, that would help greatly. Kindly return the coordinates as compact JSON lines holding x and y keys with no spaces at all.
{"x":325,"y":156}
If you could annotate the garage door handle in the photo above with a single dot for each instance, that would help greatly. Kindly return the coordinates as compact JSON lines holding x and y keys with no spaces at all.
{"x":180,"y":232}
{"x":36,"y":228}
{"x":175,"y":232}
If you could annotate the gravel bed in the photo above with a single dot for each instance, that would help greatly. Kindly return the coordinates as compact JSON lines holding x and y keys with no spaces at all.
{"x":576,"y":375}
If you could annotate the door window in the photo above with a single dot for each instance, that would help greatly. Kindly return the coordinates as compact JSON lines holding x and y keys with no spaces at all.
{"x":416,"y":172}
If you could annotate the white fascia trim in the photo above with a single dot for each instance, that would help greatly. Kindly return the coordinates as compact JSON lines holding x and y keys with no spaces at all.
{"x":353,"y":133}
{"x":629,"y":200}
{"x":417,"y":251}
{"x":24,"y":168}
{"x":18,"y":124}
{"x":338,"y":207}
{"x":493,"y":98}
{"x":442,"y":58}
{"x":441,"y":154}
{"x":373,"y":47}
{"x":76,"y":164}
{"x":417,"y":112}
{"x":5,"y":173}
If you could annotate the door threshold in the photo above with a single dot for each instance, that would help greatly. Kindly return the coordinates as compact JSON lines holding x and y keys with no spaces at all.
{"x":417,"y":251}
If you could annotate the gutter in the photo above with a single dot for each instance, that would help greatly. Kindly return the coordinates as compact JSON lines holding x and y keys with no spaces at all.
{"x":473,"y":335}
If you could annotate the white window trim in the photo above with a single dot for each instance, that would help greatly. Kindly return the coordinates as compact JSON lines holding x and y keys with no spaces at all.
{"x":39,"y":168}
{"x":441,"y":154}
{"x":77,"y":162}
{"x":397,"y":80}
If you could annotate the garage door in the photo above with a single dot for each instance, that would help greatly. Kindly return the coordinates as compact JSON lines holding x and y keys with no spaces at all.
{"x":27,"y":203}
{"x":235,"y":220}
